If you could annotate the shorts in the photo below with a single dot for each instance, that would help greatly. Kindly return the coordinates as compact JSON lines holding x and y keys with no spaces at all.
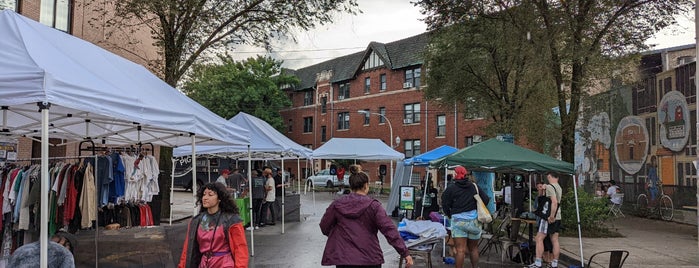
{"x":470,"y":229}
{"x":549,"y":228}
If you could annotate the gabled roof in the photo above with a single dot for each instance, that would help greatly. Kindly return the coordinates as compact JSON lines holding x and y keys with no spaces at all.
{"x":396,"y":55}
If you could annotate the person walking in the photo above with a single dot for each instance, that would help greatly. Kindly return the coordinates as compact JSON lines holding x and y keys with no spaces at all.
{"x":351,"y":224}
{"x":215,"y":237}
{"x":550,"y":226}
{"x":459,"y":205}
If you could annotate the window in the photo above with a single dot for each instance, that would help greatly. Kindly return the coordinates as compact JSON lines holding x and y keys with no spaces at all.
{"x":56,"y":14}
{"x":344,"y":92}
{"x":412,"y":148}
{"x":366,"y":117}
{"x":323,"y":133}
{"x":441,"y":125}
{"x":367,"y":85}
{"x":411,"y":113}
{"x":9,"y":4}
{"x":412,"y":76}
{"x":308,"y":98}
{"x":307,"y":124}
{"x":290,"y":125}
{"x":372,"y":61}
{"x":324,"y":105}
{"x":382,"y":111}
{"x":343,"y":120}
{"x":383,"y":82}
{"x":469,"y":141}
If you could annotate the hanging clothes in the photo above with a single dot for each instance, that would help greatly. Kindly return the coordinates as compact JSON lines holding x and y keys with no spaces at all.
{"x":88,"y":198}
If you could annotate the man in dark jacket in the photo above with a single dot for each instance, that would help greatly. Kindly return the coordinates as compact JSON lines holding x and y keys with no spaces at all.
{"x":459,"y":205}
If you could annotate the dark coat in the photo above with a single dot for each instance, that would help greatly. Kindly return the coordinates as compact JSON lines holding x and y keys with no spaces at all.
{"x":351,"y":224}
{"x":458,"y":197}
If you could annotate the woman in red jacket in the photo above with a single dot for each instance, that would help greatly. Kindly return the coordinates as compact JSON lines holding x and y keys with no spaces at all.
{"x":215,"y":237}
{"x":351,"y":224}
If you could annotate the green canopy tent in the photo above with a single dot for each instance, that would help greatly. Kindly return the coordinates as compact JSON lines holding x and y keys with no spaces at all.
{"x":504,"y":157}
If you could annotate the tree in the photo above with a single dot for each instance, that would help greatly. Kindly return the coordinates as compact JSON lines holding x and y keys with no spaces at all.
{"x":577,"y":39}
{"x":489,"y":64}
{"x":185,"y":29}
{"x":251,"y":86}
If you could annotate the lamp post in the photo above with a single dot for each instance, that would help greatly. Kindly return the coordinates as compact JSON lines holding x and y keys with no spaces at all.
{"x":390,"y":130}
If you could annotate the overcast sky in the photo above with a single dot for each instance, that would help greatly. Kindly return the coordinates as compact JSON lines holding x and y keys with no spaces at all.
{"x":391,"y":20}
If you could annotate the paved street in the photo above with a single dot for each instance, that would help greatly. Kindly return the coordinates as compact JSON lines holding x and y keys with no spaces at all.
{"x":300,"y":246}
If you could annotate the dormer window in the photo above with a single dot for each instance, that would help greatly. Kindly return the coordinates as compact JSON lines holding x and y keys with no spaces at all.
{"x":372,"y":61}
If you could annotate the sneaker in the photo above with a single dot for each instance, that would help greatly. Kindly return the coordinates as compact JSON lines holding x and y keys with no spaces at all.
{"x":250,"y":228}
{"x":257,"y":227}
{"x":533,"y":265}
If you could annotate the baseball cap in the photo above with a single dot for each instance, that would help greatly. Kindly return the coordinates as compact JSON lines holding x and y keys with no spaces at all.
{"x":225,"y":172}
{"x":460,"y":172}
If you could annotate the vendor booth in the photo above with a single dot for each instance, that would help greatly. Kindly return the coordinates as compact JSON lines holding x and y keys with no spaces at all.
{"x":54,"y":85}
{"x":266,"y":143}
{"x":504,"y":157}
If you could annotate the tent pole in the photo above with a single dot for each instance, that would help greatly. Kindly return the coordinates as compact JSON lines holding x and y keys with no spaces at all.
{"x":44,"y":229}
{"x":252,"y":216}
{"x":208,"y":169}
{"x":298,"y":176}
{"x":424,"y":195}
{"x":283,"y":194}
{"x":577,"y":211}
{"x":194,"y":175}
{"x":444,"y":241}
{"x":172,"y":190}
{"x":97,"y":217}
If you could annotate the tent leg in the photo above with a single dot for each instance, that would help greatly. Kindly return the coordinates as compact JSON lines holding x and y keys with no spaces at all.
{"x":194,"y":176}
{"x":172,"y":190}
{"x":252,"y":215}
{"x":44,"y":228}
{"x":577,"y":211}
{"x":283,"y":194}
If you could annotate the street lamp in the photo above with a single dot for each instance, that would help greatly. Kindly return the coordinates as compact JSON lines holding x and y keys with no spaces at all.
{"x":390,"y":129}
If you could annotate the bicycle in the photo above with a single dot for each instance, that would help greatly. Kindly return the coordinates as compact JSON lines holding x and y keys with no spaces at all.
{"x":663,"y":205}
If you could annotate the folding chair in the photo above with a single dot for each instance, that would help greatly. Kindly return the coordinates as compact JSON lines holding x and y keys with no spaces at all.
{"x":421,"y":248}
{"x":615,"y":209}
{"x":496,"y":238}
{"x":616,"y":258}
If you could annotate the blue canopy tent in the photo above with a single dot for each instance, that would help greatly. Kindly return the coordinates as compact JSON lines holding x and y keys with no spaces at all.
{"x":404,"y":177}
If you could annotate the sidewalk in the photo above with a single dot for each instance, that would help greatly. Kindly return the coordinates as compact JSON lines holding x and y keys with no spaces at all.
{"x":651,"y":243}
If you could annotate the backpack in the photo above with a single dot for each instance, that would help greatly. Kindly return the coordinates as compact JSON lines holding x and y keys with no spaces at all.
{"x":543,"y":205}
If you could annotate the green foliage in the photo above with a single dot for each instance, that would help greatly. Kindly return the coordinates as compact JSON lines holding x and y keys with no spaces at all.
{"x":251,"y":86}
{"x":593,"y":213}
{"x":577,"y":41}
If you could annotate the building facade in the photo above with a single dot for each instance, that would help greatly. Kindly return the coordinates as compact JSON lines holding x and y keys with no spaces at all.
{"x":375,"y":93}
{"x":645,"y":134}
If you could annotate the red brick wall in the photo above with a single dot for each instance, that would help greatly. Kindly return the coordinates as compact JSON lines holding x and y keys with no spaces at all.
{"x":393,"y":99}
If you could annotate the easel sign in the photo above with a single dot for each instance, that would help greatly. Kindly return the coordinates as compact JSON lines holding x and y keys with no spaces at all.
{"x":407,"y":197}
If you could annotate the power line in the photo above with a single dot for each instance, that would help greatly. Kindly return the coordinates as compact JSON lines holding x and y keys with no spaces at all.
{"x":299,"y":50}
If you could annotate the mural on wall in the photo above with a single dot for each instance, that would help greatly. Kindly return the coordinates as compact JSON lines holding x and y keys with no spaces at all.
{"x":673,"y":117}
{"x":631,"y":144}
{"x":595,"y":147}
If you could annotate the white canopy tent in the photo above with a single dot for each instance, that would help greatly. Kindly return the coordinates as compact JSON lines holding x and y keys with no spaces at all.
{"x":266,"y":143}
{"x":356,"y":148}
{"x":85,"y":92}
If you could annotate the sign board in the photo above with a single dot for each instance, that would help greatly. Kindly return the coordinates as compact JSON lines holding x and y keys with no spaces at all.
{"x":407,"y":197}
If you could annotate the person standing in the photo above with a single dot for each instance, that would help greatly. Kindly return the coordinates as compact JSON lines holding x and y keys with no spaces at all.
{"x":237,"y":181}
{"x":215,"y":237}
{"x":223,"y":178}
{"x":459,"y":205}
{"x":351,"y":223}
{"x":258,"y":197}
{"x":270,"y":197}
{"x":550,"y":226}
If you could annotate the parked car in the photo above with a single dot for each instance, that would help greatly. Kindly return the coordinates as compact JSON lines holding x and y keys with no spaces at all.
{"x":324,"y":178}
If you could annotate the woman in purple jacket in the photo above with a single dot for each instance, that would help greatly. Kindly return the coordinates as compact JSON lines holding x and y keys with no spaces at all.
{"x":351,"y":224}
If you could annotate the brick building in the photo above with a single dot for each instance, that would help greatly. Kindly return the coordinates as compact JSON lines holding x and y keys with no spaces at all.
{"x":81,"y":19}
{"x":384,"y":80}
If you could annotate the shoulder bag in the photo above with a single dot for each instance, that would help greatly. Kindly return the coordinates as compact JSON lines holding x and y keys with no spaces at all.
{"x":483,"y":212}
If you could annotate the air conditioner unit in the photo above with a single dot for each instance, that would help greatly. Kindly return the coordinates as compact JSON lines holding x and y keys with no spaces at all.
{"x":408,"y":121}
{"x":407,"y":85}
{"x":341,"y":97}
